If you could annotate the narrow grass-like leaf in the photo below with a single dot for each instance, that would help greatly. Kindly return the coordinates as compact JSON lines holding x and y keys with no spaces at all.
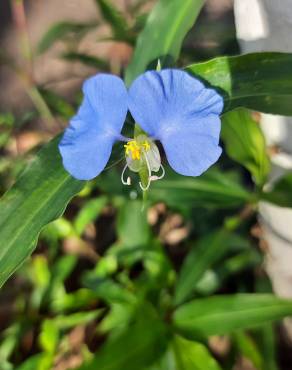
{"x":266,"y":338}
{"x":115,"y":19}
{"x":225,"y":314}
{"x":57,"y":103}
{"x":88,"y":60}
{"x":162,"y":37}
{"x":209,"y":250}
{"x":62,"y":30}
{"x":247,"y":347}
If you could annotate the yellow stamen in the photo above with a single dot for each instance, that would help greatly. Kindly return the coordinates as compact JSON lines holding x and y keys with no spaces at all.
{"x":146,"y":146}
{"x":134,"y":148}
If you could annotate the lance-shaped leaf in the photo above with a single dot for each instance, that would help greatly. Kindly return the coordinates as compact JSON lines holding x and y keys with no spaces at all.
{"x":136,"y":347}
{"x":39,"y":196}
{"x":208,"y":251}
{"x":259,"y":81}
{"x":245,"y":143}
{"x":162,"y":37}
{"x":213,"y":189}
{"x":61,"y":31}
{"x":224,"y":314}
{"x":115,"y":19}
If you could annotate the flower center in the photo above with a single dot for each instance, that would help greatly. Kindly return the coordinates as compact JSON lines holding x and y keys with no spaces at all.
{"x":134,"y":149}
{"x":142,"y":153}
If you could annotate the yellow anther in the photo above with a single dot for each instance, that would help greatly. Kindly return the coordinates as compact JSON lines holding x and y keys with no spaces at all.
{"x":146,"y":146}
{"x":134,"y":148}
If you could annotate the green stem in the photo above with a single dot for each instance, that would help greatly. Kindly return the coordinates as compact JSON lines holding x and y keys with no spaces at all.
{"x":26,"y":74}
{"x":40,"y":103}
{"x":233,"y":222}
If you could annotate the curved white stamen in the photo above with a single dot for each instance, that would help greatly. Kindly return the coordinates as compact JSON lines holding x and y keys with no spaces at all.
{"x":128,"y":181}
{"x":155,"y":177}
{"x":149,"y":175}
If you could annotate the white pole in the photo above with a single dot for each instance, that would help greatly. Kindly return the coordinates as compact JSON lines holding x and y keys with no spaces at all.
{"x":266,"y":25}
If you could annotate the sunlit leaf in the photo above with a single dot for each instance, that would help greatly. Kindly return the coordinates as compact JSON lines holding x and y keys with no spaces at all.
{"x":193,"y":355}
{"x":89,"y":212}
{"x":259,"y":81}
{"x":166,"y":28}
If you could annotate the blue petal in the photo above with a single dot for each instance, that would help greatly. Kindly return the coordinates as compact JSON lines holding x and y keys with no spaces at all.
{"x":192,"y":154}
{"x":183,"y":114}
{"x":87,"y":142}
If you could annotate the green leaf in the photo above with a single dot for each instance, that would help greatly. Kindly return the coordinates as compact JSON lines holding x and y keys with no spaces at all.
{"x":281,"y":193}
{"x":248,"y":348}
{"x":81,"y":298}
{"x":78,"y":318}
{"x":132,"y":226}
{"x":212,"y":280}
{"x":40,"y":272}
{"x":108,"y":290}
{"x":162,"y":37}
{"x":136,"y":347}
{"x":224,"y":314}
{"x":62,"y":30}
{"x":245,"y":143}
{"x":259,"y":81}
{"x":57,"y":104}
{"x":88,"y":213}
{"x":213,"y":189}
{"x":38,"y":197}
{"x":167,"y":361}
{"x":31,"y":363}
{"x":267,"y":343}
{"x":115,"y":19}
{"x":9,"y":340}
{"x":88,"y":60}
{"x":7,"y":122}
{"x":63,"y":268}
{"x":49,"y":336}
{"x":119,"y":316}
{"x":192,"y":355}
{"x":209,"y":249}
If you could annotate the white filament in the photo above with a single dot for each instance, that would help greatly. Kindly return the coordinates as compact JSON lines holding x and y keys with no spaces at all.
{"x":149,"y":175}
{"x":128,"y":181}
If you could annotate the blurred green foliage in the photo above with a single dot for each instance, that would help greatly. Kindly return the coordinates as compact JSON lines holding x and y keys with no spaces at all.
{"x":118,"y":283}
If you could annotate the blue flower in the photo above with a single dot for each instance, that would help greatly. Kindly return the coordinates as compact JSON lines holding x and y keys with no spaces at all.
{"x":169,"y":105}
